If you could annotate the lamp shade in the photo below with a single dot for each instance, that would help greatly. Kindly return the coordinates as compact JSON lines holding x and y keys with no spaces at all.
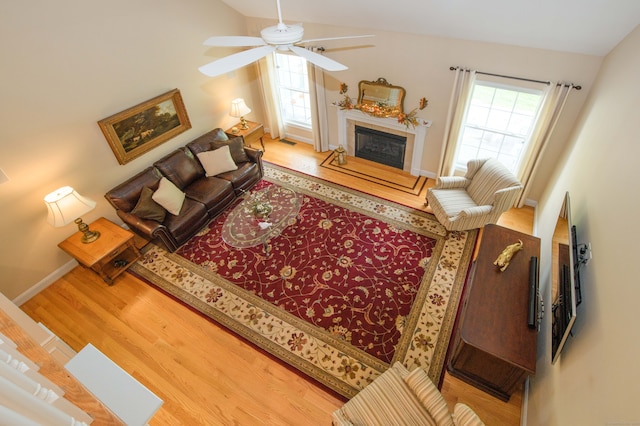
{"x":239,"y":108}
{"x":65,"y":205}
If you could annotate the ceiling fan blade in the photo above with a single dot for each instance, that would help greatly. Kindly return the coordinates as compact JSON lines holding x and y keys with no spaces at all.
{"x":235,"y":61}
{"x":234,"y":41}
{"x":335,"y":38}
{"x":319,"y":60}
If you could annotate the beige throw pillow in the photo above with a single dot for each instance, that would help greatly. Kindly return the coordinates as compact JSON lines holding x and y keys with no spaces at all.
{"x":169,"y":196}
{"x":217,"y":161}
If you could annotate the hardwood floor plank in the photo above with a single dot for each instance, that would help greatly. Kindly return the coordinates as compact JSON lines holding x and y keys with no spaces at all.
{"x":204,"y":373}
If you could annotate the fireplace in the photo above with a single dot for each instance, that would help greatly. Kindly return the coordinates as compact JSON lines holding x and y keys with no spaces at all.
{"x":415,"y":136}
{"x":381,"y":147}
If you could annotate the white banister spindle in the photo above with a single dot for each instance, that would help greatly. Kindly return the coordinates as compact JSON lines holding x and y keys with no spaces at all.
{"x":25,"y":404}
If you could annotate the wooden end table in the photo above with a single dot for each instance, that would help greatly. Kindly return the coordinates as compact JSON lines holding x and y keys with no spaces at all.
{"x":254,"y":133}
{"x":110,"y":255}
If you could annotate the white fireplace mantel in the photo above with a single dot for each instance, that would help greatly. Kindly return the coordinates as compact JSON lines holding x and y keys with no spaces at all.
{"x":419,"y":132}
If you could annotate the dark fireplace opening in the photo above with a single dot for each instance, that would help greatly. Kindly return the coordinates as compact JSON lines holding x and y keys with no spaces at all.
{"x":381,"y":147}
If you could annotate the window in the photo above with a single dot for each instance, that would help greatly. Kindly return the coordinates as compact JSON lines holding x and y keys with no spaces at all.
{"x":498,"y":124}
{"x":292,"y":83}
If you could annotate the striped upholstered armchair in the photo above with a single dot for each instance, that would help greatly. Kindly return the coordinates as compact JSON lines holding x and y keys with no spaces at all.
{"x":480,"y":197}
{"x":401,"y":398}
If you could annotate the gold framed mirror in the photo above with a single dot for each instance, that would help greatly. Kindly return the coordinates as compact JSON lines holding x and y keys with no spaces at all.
{"x":380,"y":98}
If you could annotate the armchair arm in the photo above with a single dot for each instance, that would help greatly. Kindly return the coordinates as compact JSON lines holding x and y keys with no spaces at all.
{"x":465,"y":416}
{"x":475,"y":211}
{"x":450,"y":182}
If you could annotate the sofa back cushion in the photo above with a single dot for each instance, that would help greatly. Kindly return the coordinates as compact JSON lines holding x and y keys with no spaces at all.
{"x":126,"y":195}
{"x":180,"y":167}
{"x":491,"y":177}
{"x":216,"y":139}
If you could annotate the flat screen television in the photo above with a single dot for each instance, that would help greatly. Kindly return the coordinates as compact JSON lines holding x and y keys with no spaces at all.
{"x":565,"y":280}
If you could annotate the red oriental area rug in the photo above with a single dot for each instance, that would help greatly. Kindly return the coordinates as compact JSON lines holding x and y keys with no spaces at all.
{"x":353,"y":284}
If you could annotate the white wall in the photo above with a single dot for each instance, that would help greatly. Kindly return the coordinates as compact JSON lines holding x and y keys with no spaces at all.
{"x":421,"y":65}
{"x":597,"y":380}
{"x":67,"y":64}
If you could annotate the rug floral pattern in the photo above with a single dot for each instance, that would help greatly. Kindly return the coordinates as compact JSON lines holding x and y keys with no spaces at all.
{"x":354,"y":284}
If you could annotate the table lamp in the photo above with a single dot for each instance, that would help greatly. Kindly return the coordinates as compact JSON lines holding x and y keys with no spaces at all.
{"x":65,"y":205}
{"x":239,"y":109}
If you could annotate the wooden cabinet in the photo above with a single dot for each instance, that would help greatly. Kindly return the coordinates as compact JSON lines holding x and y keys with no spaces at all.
{"x":254,"y":133}
{"x":110,"y":255}
{"x":493,"y":347}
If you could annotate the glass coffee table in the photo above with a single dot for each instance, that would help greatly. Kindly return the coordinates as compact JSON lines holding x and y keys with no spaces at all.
{"x":261,"y":216}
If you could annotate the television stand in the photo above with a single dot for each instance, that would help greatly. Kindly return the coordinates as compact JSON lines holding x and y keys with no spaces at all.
{"x":494,"y":349}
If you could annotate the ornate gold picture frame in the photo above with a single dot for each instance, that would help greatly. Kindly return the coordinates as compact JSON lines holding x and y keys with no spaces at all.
{"x":141,"y":128}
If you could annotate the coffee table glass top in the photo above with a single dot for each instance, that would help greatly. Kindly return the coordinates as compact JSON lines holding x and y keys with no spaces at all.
{"x":262,"y":215}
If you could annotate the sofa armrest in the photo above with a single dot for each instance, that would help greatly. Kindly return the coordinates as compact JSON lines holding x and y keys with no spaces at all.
{"x":146,"y":228}
{"x":254,"y":155}
{"x":463,"y":415}
{"x":449,"y":182}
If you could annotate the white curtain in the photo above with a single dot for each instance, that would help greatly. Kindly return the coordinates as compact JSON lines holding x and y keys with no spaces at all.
{"x":460,"y":94}
{"x":273,"y":119}
{"x":319,"y":123}
{"x":555,"y":98}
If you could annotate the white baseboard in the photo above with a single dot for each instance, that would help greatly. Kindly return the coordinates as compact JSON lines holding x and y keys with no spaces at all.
{"x":45,"y":282}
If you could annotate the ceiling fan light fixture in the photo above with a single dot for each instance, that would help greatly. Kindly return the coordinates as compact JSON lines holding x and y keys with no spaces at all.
{"x":277,"y":35}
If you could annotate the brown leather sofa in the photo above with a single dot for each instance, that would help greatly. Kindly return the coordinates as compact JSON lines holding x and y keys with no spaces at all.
{"x":205,"y":197}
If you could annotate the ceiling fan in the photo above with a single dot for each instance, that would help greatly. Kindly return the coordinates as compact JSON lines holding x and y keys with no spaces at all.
{"x":278,"y":37}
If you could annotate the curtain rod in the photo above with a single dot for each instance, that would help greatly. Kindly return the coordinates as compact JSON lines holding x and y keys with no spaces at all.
{"x":515,"y":78}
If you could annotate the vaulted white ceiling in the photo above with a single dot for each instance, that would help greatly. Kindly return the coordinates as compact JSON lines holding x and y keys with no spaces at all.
{"x":591,"y":27}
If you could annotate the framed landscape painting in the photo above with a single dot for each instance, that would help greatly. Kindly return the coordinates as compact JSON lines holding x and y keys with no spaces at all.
{"x":141,"y":128}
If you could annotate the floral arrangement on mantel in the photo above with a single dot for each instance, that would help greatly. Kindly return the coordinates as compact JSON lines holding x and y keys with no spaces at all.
{"x":380,"y":109}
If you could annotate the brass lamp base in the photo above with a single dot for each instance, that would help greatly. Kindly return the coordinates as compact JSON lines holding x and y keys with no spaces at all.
{"x":89,"y":236}
{"x":243,"y":124}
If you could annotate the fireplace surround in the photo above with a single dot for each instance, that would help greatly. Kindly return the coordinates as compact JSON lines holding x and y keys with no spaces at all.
{"x":416,"y":136}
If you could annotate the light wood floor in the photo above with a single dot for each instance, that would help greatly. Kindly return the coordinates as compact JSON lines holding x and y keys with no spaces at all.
{"x":205,"y":374}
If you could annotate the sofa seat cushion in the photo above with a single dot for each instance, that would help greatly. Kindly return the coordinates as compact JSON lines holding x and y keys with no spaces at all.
{"x":450,"y":201}
{"x":385,"y":402}
{"x":244,"y":177}
{"x":193,"y":216}
{"x":213,"y":192}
